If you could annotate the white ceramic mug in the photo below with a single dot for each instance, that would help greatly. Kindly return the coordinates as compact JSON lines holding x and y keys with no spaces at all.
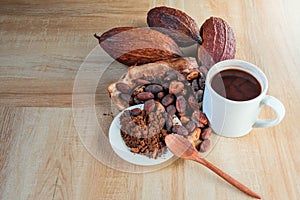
{"x":237,"y":118}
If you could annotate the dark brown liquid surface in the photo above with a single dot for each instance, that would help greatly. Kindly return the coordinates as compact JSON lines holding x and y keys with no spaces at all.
{"x":236,"y":85}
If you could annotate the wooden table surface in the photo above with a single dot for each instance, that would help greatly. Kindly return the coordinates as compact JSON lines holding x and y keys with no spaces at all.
{"x":41,"y":155}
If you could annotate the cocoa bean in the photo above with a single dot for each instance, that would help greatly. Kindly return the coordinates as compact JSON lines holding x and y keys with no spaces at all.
{"x":193,"y":103}
{"x":190,"y":126}
{"x":175,"y":87}
{"x":149,"y":105}
{"x":169,"y":121}
{"x":206,"y":133}
{"x":181,"y":104}
{"x":195,"y":134}
{"x":200,"y":117}
{"x":154,"y":88}
{"x":135,"y":111}
{"x":143,"y":96}
{"x":201,"y":82}
{"x":136,"y":101}
{"x":181,"y":77}
{"x":171,"y":110}
{"x":204,"y":146}
{"x":159,"y":107}
{"x":123,"y":88}
{"x":180,"y":130}
{"x":168,"y":99}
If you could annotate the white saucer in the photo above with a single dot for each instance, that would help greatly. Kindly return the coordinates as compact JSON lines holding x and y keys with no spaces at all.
{"x":120,"y":148}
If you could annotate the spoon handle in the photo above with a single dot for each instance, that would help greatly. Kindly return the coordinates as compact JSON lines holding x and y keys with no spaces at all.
{"x":226,"y":177}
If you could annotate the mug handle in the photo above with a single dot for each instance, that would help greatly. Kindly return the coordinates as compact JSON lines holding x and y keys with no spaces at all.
{"x":277,"y":106}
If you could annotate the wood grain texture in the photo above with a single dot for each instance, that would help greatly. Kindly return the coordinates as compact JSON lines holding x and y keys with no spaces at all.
{"x":43,"y":44}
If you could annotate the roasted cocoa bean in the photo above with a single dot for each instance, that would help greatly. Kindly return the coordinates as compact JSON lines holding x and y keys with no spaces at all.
{"x":204,"y":146}
{"x":123,"y":88}
{"x":193,"y":103}
{"x":125,"y":97}
{"x":181,"y":104}
{"x":180,"y":130}
{"x":165,"y":85}
{"x":199,"y":96}
{"x":175,"y":87}
{"x":136,"y":101}
{"x":143,"y":96}
{"x":181,"y":77}
{"x":154,"y":88}
{"x":149,"y":105}
{"x":196,"y":134}
{"x":135,"y":111}
{"x":190,"y":126}
{"x":206,"y":133}
{"x":200,"y":117}
{"x":171,"y":110}
{"x":201,"y":82}
{"x":160,"y":95}
{"x":162,"y":123}
{"x":192,"y":75}
{"x":168,"y":99}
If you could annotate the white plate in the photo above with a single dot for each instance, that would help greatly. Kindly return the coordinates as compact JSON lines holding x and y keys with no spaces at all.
{"x":120,"y":148}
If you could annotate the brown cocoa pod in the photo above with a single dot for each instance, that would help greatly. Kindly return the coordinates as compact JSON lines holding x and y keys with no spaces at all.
{"x":135,"y":111}
{"x":180,"y":130}
{"x":155,"y":88}
{"x":171,"y":110}
{"x":181,"y":104}
{"x":175,"y":23}
{"x":143,"y":96}
{"x":123,"y":88}
{"x":206,"y":133}
{"x":160,"y":95}
{"x":192,"y":75}
{"x":175,"y":87}
{"x":135,"y":46}
{"x":218,"y":42}
{"x":149,"y":105}
{"x":168,"y":99}
{"x":204,"y":146}
{"x":190,"y":126}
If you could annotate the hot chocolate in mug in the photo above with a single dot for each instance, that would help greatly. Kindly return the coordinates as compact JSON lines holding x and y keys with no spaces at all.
{"x":235,"y":91}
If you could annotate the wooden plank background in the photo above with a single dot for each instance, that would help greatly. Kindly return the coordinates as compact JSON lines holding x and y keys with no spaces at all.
{"x":42,"y":45}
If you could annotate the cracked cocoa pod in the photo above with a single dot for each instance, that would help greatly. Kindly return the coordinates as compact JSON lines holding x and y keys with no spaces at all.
{"x":175,"y":23}
{"x":136,"y":46}
{"x":218,"y":42}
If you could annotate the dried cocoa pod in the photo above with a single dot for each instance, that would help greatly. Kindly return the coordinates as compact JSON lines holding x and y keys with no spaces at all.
{"x":135,"y":46}
{"x":149,"y":105}
{"x":168,"y":99}
{"x":155,"y":88}
{"x":181,"y":104}
{"x":143,"y":96}
{"x":175,"y":87}
{"x":204,"y":146}
{"x":177,"y":24}
{"x":180,"y":130}
{"x":206,"y":133}
{"x":218,"y":42}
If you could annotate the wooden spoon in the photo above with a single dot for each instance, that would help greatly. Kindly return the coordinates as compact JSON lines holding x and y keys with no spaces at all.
{"x":183,"y":148}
